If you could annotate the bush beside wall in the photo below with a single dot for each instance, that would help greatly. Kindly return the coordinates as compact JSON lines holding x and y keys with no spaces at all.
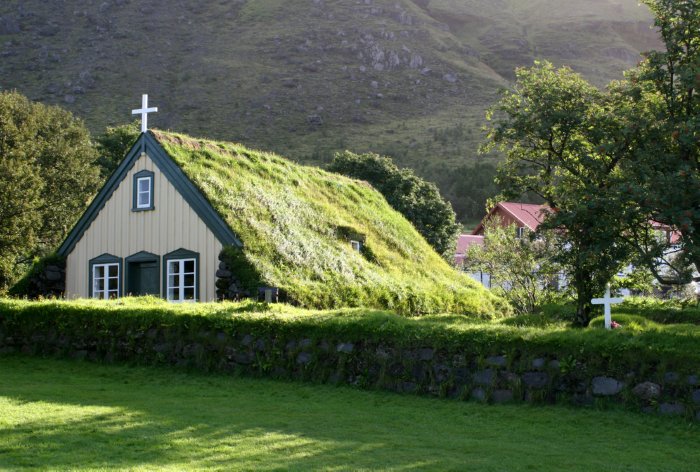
{"x":653,"y":372}
{"x":45,"y":278}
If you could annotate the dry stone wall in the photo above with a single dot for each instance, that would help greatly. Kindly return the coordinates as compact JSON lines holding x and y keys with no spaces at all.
{"x":454,"y":373}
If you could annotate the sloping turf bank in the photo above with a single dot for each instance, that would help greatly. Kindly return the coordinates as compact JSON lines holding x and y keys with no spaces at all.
{"x":296,"y":222}
{"x":438,"y":355}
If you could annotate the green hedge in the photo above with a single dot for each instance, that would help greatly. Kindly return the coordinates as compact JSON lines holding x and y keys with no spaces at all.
{"x":661,"y":311}
{"x":670,"y":347}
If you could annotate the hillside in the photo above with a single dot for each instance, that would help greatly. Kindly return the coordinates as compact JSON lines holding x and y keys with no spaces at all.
{"x":408,"y":78}
{"x":294,"y":223}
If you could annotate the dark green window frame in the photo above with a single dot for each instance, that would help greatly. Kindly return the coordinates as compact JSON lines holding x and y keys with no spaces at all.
{"x":181,"y":254}
{"x":104,"y":259}
{"x":144,"y":174}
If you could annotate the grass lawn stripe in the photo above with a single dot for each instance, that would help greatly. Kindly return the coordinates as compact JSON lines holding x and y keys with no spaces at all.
{"x":70,"y":415}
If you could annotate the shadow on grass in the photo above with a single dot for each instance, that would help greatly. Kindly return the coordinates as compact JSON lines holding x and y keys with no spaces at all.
{"x":77,"y":416}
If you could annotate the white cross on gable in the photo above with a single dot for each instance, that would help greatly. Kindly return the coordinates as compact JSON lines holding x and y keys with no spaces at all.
{"x":144,"y":111}
{"x":606,"y":301}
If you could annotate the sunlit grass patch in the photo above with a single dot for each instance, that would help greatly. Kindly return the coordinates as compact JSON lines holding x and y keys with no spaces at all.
{"x":63,"y":415}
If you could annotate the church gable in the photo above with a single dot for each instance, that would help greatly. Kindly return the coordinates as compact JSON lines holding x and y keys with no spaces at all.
{"x":147,"y":146}
{"x":130,"y":244}
{"x":129,"y":239}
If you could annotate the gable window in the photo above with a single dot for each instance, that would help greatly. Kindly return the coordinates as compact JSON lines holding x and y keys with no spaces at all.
{"x":181,"y":277}
{"x":143,"y":191}
{"x":105,"y":277}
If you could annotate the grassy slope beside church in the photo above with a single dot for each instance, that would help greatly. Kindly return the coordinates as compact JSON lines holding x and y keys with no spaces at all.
{"x":292,"y":220}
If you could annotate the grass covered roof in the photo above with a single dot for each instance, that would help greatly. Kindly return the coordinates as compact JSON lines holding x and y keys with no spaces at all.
{"x":295,"y":223}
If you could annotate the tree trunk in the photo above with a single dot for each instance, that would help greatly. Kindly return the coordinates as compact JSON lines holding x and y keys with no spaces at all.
{"x":584,"y":293}
{"x":695,"y":258}
{"x":583,"y":312}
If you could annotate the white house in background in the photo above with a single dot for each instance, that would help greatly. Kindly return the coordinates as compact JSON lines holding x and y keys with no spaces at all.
{"x":528,"y":217}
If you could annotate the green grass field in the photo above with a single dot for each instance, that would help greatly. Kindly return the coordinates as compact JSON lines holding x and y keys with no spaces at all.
{"x":70,"y":415}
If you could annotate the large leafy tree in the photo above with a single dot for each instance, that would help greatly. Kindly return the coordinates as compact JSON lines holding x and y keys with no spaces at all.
{"x":113,"y":145}
{"x":47,"y":176}
{"x":664,"y":173}
{"x":566,"y":141}
{"x":419,"y":201}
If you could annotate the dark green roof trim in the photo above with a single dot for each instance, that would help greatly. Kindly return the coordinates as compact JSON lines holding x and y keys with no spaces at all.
{"x":190,"y":192}
{"x":148,"y":144}
{"x":99,"y":201}
{"x":142,"y":256}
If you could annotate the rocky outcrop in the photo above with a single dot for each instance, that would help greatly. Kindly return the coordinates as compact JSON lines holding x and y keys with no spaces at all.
{"x":228,"y":286}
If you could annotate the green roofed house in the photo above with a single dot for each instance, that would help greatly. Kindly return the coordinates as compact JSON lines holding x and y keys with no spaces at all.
{"x":196,"y":220}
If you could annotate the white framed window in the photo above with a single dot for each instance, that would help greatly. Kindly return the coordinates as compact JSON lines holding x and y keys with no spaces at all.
{"x":181,"y":282}
{"x":520,"y":232}
{"x":143,"y":192}
{"x":355,"y":245}
{"x":105,"y":281}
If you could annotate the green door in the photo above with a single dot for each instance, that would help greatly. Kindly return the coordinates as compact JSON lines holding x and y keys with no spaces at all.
{"x":143,"y":278}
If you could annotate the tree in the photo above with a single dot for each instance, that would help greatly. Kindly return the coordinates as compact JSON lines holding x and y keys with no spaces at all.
{"x":419,"y":201}
{"x":47,"y":176}
{"x":664,"y":172}
{"x":113,"y":144}
{"x":565,"y":141}
{"x":522,"y":270}
{"x":20,"y":200}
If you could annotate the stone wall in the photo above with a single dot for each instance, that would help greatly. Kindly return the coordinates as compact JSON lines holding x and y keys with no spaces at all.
{"x":493,"y":378}
{"x":46,"y":279}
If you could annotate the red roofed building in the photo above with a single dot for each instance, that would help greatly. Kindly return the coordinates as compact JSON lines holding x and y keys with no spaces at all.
{"x":527,"y":217}
{"x":672,"y":237}
{"x":523,"y":215}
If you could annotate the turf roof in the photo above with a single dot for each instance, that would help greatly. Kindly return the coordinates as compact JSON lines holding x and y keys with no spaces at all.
{"x":294,"y":223}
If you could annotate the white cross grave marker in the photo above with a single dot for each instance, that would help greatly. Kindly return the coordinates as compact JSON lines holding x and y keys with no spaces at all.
{"x":144,"y":111}
{"x":606,"y":301}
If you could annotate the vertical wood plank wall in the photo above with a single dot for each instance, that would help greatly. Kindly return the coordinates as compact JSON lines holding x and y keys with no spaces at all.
{"x":121,"y":232}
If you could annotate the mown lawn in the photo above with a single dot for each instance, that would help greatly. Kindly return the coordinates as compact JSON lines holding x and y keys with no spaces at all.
{"x":71,"y":415}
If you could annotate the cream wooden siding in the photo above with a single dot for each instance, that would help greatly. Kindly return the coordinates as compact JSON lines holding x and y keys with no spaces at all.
{"x":121,"y":232}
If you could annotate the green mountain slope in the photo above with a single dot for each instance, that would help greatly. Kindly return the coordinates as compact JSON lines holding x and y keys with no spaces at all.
{"x":408,"y":78}
{"x":294,"y":220}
